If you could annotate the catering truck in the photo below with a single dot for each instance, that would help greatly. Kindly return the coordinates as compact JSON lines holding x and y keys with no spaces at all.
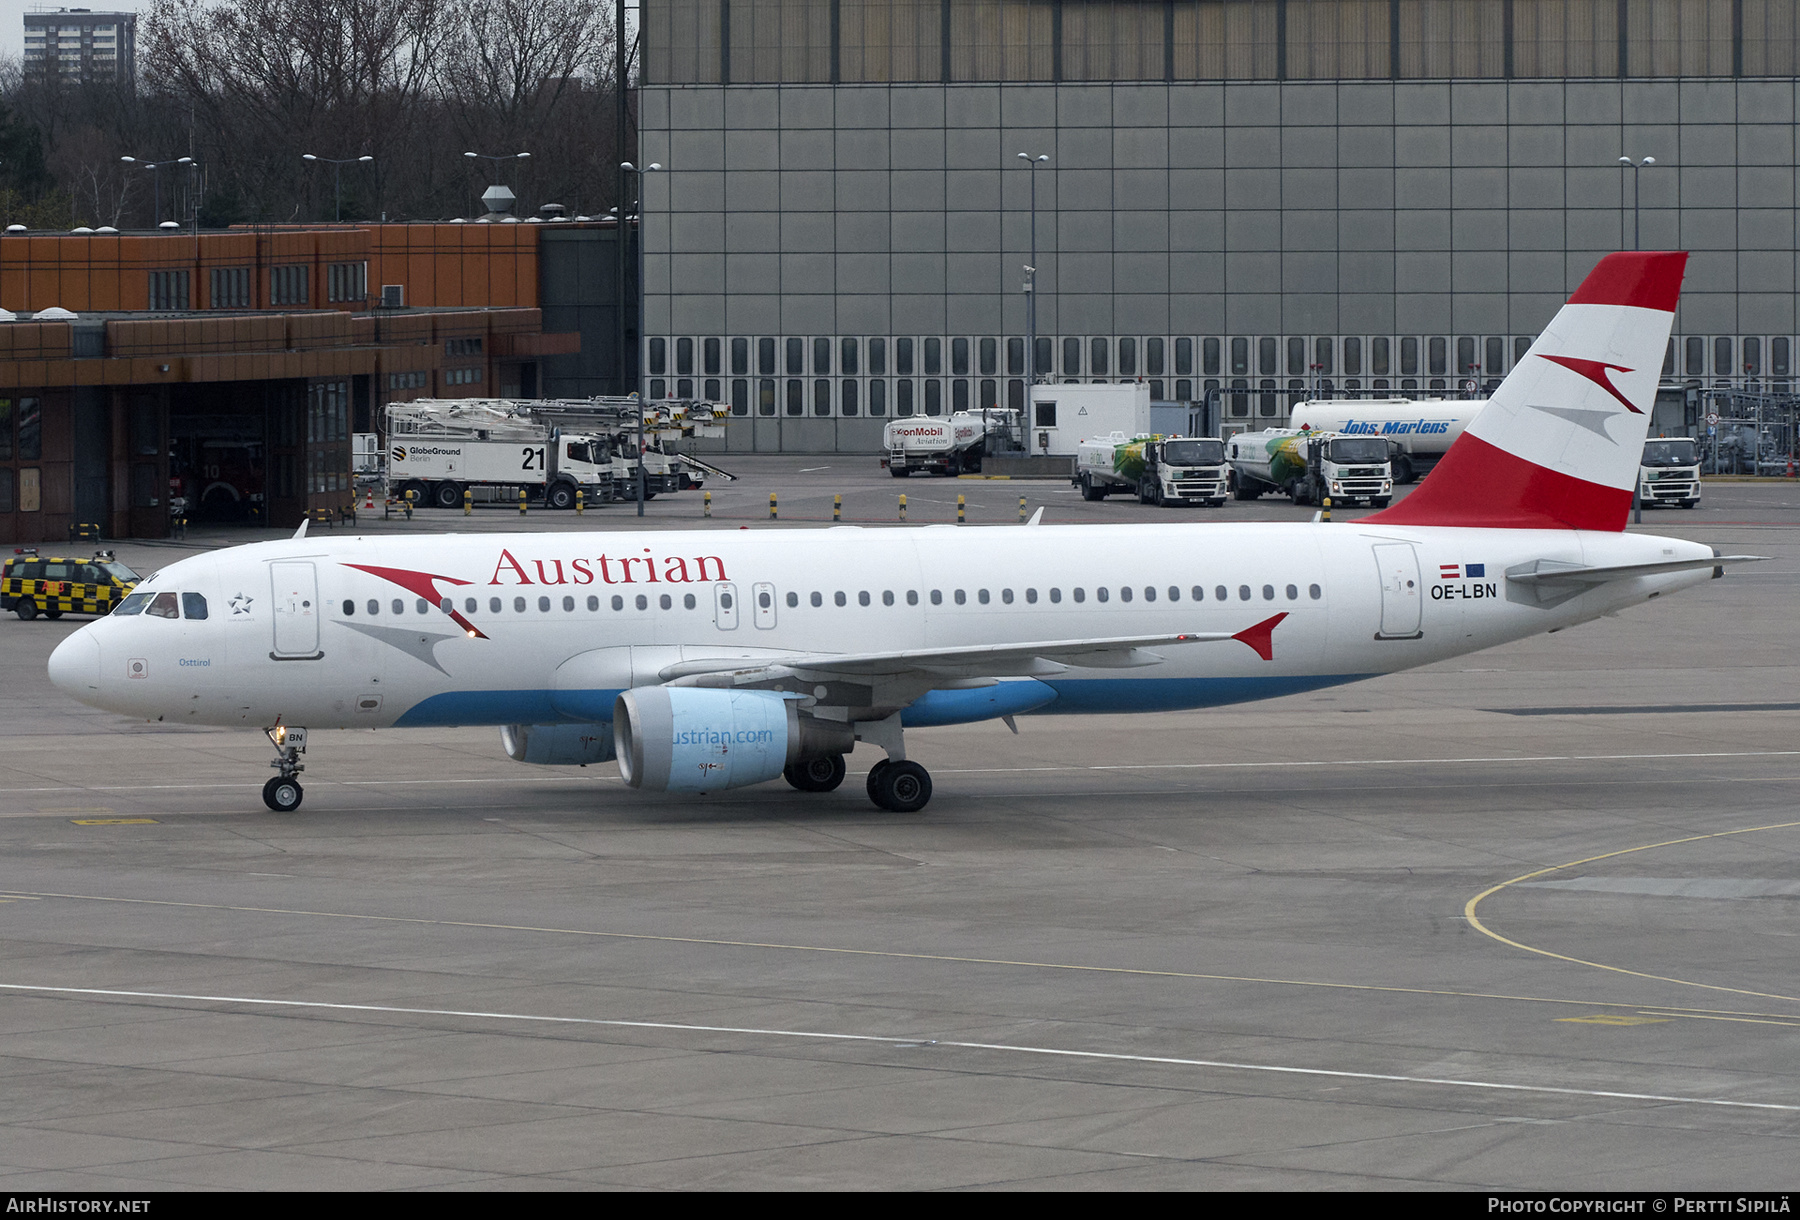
{"x":1670,"y":472}
{"x":1156,"y":469}
{"x":1308,"y":466}
{"x":1419,"y":433}
{"x":439,"y":448}
{"x":941,"y":444}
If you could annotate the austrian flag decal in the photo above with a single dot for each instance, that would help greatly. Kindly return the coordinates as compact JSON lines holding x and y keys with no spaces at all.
{"x":1457,"y":571}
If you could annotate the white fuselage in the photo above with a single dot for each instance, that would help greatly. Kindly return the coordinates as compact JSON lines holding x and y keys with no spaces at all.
{"x":545,"y":628}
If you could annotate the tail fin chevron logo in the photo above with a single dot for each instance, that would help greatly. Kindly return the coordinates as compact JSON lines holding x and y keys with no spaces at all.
{"x":1548,"y":452}
{"x":1595,"y":371}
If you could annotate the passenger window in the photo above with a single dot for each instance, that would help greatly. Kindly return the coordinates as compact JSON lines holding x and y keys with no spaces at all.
{"x":1101,"y":594}
{"x":643,"y":603}
{"x":1268,"y":593}
{"x":666,"y":602}
{"x":817,"y":600}
{"x":134,"y":604}
{"x":839,"y":599}
{"x":1174,"y":594}
{"x":1315,"y":592}
{"x":593,"y":602}
{"x":887,"y":597}
{"x":1293,"y":593}
{"x":1149,"y":593}
{"x":1222,"y":593}
{"x":1006,"y":596}
{"x":424,"y":607}
{"x":469,"y":605}
{"x":687,"y":601}
{"x":1080,"y":595}
{"x":349,"y":608}
{"x":568,"y":605}
{"x":981,"y":595}
{"x":493,"y":606}
{"x":164,"y":607}
{"x":862,"y":599}
{"x":1031,"y":597}
{"x":1199,"y":593}
{"x":618,"y":603}
{"x":793,"y":599}
{"x":1055,"y":596}
{"x":961,"y":598}
{"x":1124,"y":593}
{"x":518,"y":605}
{"x":937,"y":597}
{"x":912,"y":597}
{"x":1243,"y":593}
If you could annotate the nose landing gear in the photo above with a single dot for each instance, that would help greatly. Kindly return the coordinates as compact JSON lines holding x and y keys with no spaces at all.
{"x":283,"y":794}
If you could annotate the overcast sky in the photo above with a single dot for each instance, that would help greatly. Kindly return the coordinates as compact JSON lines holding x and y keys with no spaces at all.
{"x":12,"y":18}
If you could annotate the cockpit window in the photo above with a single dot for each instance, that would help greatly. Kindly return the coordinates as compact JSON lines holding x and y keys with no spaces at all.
{"x":164,"y":606}
{"x":193,"y":605}
{"x":134,"y":604}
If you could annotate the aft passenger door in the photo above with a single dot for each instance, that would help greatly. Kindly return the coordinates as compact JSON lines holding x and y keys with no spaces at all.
{"x":294,"y":594}
{"x":1402,"y":598}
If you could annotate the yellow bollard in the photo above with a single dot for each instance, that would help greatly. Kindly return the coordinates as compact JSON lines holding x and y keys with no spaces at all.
{"x":1325,"y":509}
{"x":903,"y":507}
{"x":411,"y":495}
{"x":468,"y":501}
{"x":707,"y":509}
{"x":837,"y":508}
{"x":521,"y":501}
{"x":1021,"y":508}
{"x":772,"y":516}
{"x":580,"y":499}
{"x":959,"y":510}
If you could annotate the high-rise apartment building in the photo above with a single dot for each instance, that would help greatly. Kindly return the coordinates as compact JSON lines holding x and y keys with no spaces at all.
{"x":81,"y":46}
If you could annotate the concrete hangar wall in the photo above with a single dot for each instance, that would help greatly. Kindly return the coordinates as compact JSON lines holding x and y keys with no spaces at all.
{"x":1398,"y":192}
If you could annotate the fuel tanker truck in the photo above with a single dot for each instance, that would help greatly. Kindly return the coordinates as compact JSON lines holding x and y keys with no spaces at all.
{"x":942,"y":444}
{"x":1419,"y":432}
{"x":1156,"y":469}
{"x":1308,"y":466}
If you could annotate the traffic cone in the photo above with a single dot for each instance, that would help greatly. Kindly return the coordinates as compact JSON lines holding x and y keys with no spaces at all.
{"x":371,"y":504}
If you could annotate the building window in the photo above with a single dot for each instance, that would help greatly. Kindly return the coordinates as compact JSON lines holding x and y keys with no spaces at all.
{"x":740,"y":357}
{"x":168,"y":290}
{"x":230,"y":288}
{"x":347,"y":281}
{"x":288,"y":285}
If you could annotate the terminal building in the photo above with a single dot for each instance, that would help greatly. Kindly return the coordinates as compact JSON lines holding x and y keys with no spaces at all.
{"x":1255,"y":200}
{"x":230,"y":369}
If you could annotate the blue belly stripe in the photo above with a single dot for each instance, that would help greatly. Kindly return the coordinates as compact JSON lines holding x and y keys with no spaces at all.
{"x":939,"y":707}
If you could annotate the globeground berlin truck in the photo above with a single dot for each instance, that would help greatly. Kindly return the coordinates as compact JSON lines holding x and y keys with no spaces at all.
{"x":1670,"y":472}
{"x":1308,"y":466}
{"x":439,"y":448}
{"x":1156,"y":469}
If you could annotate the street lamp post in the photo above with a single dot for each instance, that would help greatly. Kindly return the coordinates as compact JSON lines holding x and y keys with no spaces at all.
{"x":1031,"y":163}
{"x":643,"y":343}
{"x":155,"y":168}
{"x":337,"y":174}
{"x":1635,"y":167}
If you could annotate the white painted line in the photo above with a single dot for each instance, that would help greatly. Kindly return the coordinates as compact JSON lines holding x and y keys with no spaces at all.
{"x":917,"y":1042}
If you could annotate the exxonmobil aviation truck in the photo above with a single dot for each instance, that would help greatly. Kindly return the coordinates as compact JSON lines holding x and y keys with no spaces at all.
{"x":943,"y":444}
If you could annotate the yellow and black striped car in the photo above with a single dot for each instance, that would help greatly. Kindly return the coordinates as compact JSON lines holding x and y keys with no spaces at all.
{"x":55,"y":585}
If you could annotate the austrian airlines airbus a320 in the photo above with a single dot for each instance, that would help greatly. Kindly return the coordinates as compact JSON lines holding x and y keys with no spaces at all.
{"x":704,"y":661}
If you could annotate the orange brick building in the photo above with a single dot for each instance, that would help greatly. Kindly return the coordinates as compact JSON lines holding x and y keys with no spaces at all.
{"x":231,"y":368}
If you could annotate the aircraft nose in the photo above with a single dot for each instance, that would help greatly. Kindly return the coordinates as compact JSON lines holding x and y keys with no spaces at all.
{"x":75,"y":665}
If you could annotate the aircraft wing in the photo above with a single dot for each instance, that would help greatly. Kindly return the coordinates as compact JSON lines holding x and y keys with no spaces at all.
{"x":1035,"y":658}
{"x":1551,"y":572}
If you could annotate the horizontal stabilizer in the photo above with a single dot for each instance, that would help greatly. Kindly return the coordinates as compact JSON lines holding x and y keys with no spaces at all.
{"x":1551,"y":572}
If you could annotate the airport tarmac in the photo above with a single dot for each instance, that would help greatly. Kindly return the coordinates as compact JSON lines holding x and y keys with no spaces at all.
{"x":1523,"y":920}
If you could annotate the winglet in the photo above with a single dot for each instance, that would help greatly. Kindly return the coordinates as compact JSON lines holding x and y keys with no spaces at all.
{"x":1261,"y":637}
{"x":1037,"y":518}
{"x":301,"y":532}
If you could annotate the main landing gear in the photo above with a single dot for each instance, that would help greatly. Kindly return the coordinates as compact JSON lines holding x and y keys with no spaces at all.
{"x":895,"y":784}
{"x":899,"y":787}
{"x":283,"y":794}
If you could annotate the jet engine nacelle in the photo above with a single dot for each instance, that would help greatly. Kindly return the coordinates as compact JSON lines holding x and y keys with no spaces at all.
{"x":686,"y":739}
{"x":558,"y":745}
